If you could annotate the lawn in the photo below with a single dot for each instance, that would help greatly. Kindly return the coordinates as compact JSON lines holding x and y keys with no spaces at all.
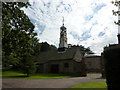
{"x":18,"y":75}
{"x":93,"y":84}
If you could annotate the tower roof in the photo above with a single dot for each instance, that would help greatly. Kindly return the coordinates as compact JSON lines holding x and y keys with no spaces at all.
{"x":63,"y":27}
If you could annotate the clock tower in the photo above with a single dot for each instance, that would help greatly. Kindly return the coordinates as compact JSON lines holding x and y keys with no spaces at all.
{"x":63,"y":37}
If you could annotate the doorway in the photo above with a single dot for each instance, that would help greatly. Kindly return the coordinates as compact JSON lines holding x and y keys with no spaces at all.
{"x":55,"y":68}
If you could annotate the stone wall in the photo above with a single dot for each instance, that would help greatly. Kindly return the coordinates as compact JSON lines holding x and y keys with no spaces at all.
{"x":64,"y":66}
{"x":68,"y":68}
{"x":80,"y":68}
{"x":93,"y":64}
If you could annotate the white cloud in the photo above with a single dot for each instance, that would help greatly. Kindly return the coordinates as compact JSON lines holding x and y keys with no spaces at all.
{"x":89,"y":22}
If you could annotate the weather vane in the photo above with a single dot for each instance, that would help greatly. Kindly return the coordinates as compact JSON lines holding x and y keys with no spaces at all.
{"x":63,"y":21}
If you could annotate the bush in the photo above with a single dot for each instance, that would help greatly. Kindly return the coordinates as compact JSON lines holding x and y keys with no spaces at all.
{"x":112,"y":66}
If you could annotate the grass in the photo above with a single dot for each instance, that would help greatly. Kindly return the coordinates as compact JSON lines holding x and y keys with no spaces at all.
{"x":19,"y":75}
{"x":93,"y":84}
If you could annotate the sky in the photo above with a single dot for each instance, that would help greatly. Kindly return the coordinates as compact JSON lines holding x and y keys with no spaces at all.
{"x":89,"y":22}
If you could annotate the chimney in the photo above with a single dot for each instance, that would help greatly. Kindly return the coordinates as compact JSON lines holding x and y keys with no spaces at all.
{"x":118,"y":38}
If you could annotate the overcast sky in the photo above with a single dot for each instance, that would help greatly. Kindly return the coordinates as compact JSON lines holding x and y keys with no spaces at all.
{"x":89,"y":22}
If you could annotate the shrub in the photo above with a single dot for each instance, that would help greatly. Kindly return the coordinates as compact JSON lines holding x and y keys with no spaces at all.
{"x":112,"y":66}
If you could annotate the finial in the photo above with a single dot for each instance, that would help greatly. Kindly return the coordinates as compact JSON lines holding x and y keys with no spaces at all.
{"x":63,"y":21}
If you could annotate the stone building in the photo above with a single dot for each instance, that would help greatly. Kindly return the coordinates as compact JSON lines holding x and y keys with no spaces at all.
{"x":93,"y":63}
{"x":67,"y":59}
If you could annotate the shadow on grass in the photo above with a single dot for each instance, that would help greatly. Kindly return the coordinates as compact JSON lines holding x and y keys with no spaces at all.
{"x":16,"y":76}
{"x":56,"y":75}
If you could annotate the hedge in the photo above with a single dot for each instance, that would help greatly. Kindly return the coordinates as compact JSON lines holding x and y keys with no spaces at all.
{"x":112,"y":66}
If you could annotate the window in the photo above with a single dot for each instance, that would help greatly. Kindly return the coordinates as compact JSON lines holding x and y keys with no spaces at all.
{"x":66,"y":65}
{"x":65,"y":40}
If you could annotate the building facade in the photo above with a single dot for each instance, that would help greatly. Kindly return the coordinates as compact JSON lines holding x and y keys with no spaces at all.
{"x":67,"y":59}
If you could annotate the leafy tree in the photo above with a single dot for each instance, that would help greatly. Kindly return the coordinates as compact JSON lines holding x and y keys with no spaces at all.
{"x":18,"y":37}
{"x":85,"y":50}
{"x":36,"y":47}
{"x":116,"y":13}
{"x":53,"y":47}
{"x":88,"y":51}
{"x":28,"y":66}
{"x":45,"y":46}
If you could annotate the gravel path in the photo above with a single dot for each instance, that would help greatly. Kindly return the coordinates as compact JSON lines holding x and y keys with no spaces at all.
{"x":46,"y":83}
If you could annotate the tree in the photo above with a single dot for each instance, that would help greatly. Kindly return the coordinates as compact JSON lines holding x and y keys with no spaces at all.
{"x":116,"y":13}
{"x":18,"y":37}
{"x":45,"y":46}
{"x":111,"y":57}
{"x":88,"y":51}
{"x":85,"y":50}
{"x":28,"y":66}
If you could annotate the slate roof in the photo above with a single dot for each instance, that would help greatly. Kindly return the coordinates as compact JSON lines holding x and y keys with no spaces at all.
{"x":55,"y":55}
{"x":92,"y":55}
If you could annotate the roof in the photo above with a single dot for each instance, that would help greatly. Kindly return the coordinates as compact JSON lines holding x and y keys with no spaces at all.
{"x":114,"y":45}
{"x":62,"y":27}
{"x":70,"y":53}
{"x":92,"y":55}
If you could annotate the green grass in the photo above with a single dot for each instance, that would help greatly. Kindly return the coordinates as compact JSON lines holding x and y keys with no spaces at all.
{"x":0,"y":73}
{"x":94,"y":84}
{"x":18,"y":75}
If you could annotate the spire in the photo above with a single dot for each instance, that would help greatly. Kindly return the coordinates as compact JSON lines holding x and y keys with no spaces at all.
{"x":63,"y":27}
{"x":63,"y":21}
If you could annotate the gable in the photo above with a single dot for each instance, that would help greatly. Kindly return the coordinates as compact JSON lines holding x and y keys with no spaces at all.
{"x":78,"y":55}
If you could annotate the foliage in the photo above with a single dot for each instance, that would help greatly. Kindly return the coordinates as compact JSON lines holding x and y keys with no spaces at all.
{"x":36,"y":47}
{"x":45,"y":47}
{"x":85,"y":50}
{"x":18,"y":37}
{"x":116,"y":13}
{"x":29,"y":68}
{"x":112,"y":65}
{"x":20,"y":46}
